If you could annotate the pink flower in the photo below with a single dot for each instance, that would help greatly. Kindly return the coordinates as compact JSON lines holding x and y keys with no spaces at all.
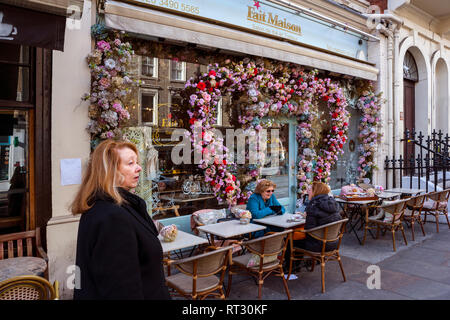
{"x":103,"y":46}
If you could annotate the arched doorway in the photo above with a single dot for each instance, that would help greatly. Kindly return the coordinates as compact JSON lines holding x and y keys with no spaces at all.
{"x":410,"y":78}
{"x":441,"y":96}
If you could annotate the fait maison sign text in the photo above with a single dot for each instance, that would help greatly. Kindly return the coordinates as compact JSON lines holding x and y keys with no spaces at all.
{"x":272,"y":20}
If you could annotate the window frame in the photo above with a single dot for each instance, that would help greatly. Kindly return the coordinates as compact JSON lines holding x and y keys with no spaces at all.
{"x":155,"y":67}
{"x":183,"y":66}
{"x":155,"y":94}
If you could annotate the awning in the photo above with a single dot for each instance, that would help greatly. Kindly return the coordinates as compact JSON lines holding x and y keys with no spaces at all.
{"x":157,"y":24}
{"x":31,"y":28}
{"x":65,"y":8}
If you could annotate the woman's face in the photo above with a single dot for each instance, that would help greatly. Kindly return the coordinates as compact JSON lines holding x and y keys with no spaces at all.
{"x":129,"y":168}
{"x":267,"y":193}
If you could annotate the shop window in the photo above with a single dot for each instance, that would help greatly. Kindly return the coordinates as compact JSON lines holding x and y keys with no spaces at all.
{"x":149,"y":67}
{"x":15,"y":68}
{"x":175,"y":108}
{"x":177,"y":71}
{"x":148,"y":102}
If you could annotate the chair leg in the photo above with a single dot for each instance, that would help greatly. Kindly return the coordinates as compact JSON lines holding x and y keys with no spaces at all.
{"x":393,"y":238}
{"x":260,"y":283}
{"x":365,"y":235}
{"x":403,"y":233}
{"x":229,"y":285}
{"x":436,"y":217}
{"x":412,"y":229}
{"x":290,"y":264}
{"x":322,"y":268}
{"x":342,"y":268}
{"x":421,"y":225}
{"x":285,"y":283}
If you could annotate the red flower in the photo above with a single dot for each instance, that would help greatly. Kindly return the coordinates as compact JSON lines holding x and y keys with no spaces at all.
{"x":234,"y":178}
{"x":334,"y":128}
{"x":325,"y":98}
{"x":228,"y":189}
{"x":192,"y":120}
{"x":300,"y":81}
{"x":224,"y":162}
{"x":212,"y":73}
{"x":210,"y":89}
{"x":282,"y":86}
{"x":343,"y":139}
{"x":335,"y":115}
{"x":201,"y":86}
{"x":213,"y":183}
{"x":255,"y":72}
{"x":345,"y":124}
{"x":320,"y":170}
{"x":292,"y":91}
{"x":341,"y":133}
{"x":338,"y":100}
{"x":341,"y":145}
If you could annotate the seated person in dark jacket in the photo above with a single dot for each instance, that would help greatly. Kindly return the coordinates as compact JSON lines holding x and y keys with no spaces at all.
{"x":322,"y":209}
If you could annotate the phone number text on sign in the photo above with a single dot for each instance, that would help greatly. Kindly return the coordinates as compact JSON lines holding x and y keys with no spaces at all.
{"x":174,"y":5}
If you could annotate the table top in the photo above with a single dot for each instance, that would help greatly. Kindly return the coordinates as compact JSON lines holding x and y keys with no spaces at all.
{"x":405,"y":190}
{"x":230,"y":228}
{"x":362,"y":202}
{"x":182,"y":241}
{"x":181,"y":197}
{"x":280,"y":221}
{"x":20,"y":266}
{"x":387,"y":195}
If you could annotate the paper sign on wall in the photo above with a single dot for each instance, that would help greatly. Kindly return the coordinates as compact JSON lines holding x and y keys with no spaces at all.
{"x":70,"y":171}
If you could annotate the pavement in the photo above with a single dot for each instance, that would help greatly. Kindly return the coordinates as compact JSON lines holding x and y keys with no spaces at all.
{"x":417,"y":271}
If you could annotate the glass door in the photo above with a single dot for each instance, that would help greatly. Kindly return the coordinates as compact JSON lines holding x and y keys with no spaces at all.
{"x":14,"y":163}
{"x":279,"y":165}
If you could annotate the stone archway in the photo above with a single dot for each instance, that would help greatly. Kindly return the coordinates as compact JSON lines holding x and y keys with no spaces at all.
{"x":441,"y":96}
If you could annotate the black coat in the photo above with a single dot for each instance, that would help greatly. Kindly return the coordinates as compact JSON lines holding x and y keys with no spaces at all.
{"x":118,"y":252}
{"x":322,"y":209}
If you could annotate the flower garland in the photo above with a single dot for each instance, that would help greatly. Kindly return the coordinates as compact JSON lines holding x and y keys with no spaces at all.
{"x":110,"y":88}
{"x":369,"y":136}
{"x":263,"y":92}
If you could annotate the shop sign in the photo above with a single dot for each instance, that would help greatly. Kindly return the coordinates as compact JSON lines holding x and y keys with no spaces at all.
{"x":270,"y":18}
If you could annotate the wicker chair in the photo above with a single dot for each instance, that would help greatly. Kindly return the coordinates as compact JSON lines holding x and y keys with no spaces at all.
{"x":436,"y":205}
{"x":197,"y":277}
{"x":389,"y":217}
{"x":415,"y":205}
{"x":326,"y":233}
{"x":28,"y":288}
{"x":272,"y":247}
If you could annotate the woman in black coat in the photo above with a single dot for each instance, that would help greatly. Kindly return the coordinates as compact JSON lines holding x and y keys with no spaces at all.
{"x":321,"y":209}
{"x":118,"y":254}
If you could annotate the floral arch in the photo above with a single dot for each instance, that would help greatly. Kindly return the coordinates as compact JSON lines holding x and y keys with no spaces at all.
{"x":261,"y":90}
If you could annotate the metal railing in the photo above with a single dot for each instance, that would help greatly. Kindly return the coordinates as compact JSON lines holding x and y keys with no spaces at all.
{"x":427,"y":160}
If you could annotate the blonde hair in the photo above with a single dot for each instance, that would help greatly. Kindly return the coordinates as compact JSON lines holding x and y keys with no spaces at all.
{"x":101,"y":175}
{"x":318,"y":188}
{"x":263,"y":185}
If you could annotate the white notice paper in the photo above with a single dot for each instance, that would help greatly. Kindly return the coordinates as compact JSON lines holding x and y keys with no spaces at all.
{"x":70,"y":171}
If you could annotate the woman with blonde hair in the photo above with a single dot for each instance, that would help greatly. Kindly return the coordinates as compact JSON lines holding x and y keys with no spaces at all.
{"x":118,"y":250}
{"x":321,"y":209}
{"x":263,"y":202}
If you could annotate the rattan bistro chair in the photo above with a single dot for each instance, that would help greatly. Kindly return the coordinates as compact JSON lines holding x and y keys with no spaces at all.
{"x":326,"y":233}
{"x":28,"y":288}
{"x":269,"y":252}
{"x":436,"y":205}
{"x":414,"y":205}
{"x":389,"y":217}
{"x":197,"y":277}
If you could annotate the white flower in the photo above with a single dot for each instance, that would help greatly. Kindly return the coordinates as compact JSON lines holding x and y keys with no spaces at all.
{"x":110,"y":64}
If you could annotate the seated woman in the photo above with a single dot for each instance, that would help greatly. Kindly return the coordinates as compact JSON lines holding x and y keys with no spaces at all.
{"x":263,"y":203}
{"x":321,"y":209}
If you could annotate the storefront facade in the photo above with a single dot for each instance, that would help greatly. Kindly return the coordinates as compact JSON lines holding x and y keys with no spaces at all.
{"x":264,"y":29}
{"x":29,"y":33}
